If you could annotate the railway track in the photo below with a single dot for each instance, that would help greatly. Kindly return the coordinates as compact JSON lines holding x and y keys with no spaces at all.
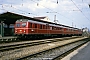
{"x":56,"y":53}
{"x":35,"y":48}
{"x":32,"y":43}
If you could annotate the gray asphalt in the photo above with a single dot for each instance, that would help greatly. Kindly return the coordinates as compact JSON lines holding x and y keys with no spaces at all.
{"x":83,"y":54}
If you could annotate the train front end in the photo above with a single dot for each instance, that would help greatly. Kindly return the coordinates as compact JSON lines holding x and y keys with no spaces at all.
{"x":21,"y":28}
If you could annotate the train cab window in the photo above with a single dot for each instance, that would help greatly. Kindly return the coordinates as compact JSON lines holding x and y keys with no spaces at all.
{"x":18,"y":25}
{"x":23,"y":24}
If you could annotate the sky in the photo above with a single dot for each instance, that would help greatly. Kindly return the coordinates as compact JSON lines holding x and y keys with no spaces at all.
{"x":74,"y":13}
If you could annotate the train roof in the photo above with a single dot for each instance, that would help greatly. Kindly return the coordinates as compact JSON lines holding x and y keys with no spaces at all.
{"x":52,"y":23}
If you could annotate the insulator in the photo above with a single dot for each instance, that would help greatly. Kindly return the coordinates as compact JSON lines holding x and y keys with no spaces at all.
{"x":89,"y":5}
{"x":57,"y":1}
{"x":11,"y":5}
{"x":29,"y":13}
{"x":37,"y":4}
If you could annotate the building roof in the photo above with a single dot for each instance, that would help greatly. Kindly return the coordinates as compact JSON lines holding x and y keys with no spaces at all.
{"x":39,"y":17}
{"x":45,"y":18}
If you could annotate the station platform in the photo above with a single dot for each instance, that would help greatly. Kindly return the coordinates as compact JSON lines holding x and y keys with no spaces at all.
{"x":82,"y":53}
{"x":8,"y":37}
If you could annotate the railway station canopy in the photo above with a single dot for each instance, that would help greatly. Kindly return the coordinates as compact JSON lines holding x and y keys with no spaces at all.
{"x":10,"y":18}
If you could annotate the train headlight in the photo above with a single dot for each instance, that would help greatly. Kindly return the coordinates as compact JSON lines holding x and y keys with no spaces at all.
{"x":32,"y":30}
{"x":24,"y":31}
{"x":15,"y":31}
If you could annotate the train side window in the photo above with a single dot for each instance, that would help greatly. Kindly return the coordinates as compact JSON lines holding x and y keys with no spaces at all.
{"x":40,"y":26}
{"x":35,"y":25}
{"x":43,"y":26}
{"x":72,"y":30}
{"x":50,"y":28}
{"x":68,"y":29}
{"x":46,"y":27}
{"x":62,"y":29}
{"x":30,"y":25}
{"x":56,"y":28}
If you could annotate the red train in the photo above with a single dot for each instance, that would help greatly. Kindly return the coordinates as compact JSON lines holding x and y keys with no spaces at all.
{"x":26,"y":28}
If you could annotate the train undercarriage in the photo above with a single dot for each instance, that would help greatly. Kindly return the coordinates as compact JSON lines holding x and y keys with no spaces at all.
{"x":43,"y":36}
